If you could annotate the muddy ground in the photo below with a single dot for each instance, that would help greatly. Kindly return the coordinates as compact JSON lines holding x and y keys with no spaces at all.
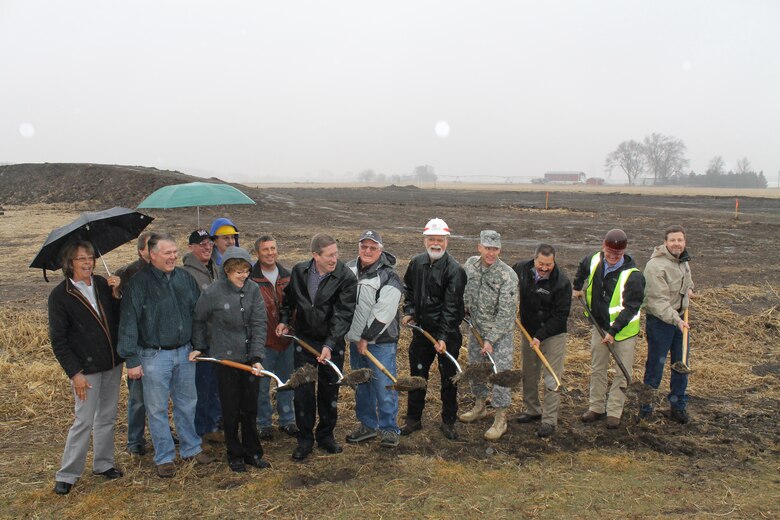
{"x":732,"y":426}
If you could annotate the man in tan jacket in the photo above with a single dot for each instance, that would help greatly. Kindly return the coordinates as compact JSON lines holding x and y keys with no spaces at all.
{"x":667,"y":291}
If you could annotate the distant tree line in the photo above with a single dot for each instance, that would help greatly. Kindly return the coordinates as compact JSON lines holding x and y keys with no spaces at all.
{"x":664,"y":157}
{"x":422,"y":173}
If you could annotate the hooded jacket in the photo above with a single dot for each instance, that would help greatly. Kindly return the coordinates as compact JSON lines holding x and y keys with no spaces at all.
{"x":82,"y":339}
{"x":433,"y":294}
{"x":273,"y":295}
{"x":379,"y":291}
{"x":668,"y":280}
{"x":216,"y":256}
{"x":203,"y":274}
{"x":544,"y":306}
{"x":604,"y":287}
{"x":237,"y":317}
{"x":328,"y":318}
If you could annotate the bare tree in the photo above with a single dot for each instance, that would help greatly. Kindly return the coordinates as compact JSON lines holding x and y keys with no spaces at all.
{"x":630,"y":156}
{"x":366,"y":175}
{"x":717,"y":166}
{"x":425,"y":173}
{"x":744,"y":166}
{"x":665,"y":156}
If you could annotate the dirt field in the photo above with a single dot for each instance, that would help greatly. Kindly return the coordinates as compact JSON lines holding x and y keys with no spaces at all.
{"x":725,"y":463}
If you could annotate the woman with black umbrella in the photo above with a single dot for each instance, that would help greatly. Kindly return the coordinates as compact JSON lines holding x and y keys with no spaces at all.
{"x":83,"y":319}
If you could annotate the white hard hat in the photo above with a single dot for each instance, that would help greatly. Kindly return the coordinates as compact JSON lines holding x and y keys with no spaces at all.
{"x":436,"y":226}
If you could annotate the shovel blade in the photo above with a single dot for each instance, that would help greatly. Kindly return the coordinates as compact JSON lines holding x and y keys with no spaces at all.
{"x":680,"y":368}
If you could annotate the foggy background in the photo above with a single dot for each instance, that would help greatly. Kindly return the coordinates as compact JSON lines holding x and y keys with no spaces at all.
{"x":311,"y":90}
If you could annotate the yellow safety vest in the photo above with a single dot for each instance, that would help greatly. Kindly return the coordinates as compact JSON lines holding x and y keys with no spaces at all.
{"x":616,"y":303}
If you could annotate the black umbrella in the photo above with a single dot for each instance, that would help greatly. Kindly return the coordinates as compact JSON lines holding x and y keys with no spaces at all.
{"x":107,"y":230}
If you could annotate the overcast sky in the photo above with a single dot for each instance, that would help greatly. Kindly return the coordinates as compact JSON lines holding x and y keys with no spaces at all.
{"x":261,"y":90}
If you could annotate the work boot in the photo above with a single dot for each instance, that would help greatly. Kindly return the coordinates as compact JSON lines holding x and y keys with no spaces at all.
{"x":680,"y":416}
{"x":478,"y":412}
{"x":499,"y":425}
{"x":411,"y":426}
{"x":613,"y":422}
{"x":166,"y":470}
{"x":591,"y":416}
{"x":448,"y":430}
{"x":545,"y":430}
{"x":525,"y":418}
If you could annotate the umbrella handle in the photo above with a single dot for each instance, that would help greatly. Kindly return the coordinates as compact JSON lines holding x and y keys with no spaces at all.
{"x":102,"y":259}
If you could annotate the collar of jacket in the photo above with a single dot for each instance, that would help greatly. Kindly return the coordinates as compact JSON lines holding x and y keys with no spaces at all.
{"x":258,"y":276}
{"x":338,"y":272}
{"x":384,"y":259}
{"x":159,"y":274}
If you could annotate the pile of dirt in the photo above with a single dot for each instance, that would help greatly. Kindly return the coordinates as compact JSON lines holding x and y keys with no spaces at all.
{"x":100,"y":184}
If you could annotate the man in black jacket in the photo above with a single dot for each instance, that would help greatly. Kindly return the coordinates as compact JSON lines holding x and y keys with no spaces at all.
{"x":614,"y":289}
{"x":545,"y":303}
{"x":434,"y":284}
{"x":321,"y":299}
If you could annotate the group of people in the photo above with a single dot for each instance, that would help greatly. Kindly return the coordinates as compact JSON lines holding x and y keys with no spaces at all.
{"x":158,"y":319}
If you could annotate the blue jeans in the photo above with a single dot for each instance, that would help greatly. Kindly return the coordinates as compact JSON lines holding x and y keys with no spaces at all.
{"x":208,"y":410}
{"x":136,"y":414}
{"x":663,"y":338}
{"x":169,"y":374}
{"x":376,"y":406}
{"x":281,"y":364}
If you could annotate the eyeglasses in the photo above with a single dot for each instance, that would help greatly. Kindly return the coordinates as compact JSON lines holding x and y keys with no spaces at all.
{"x":206,"y":243}
{"x":84,"y":259}
{"x":364,"y":247}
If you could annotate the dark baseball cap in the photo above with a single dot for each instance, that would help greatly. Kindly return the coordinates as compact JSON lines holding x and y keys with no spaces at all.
{"x":198,"y":236}
{"x":371,"y":235}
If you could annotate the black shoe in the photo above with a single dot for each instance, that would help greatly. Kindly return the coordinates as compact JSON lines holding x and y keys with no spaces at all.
{"x":237,"y":465}
{"x":545,"y":430}
{"x":290,"y":429}
{"x":62,"y":488}
{"x":257,"y":461}
{"x":524,"y":418}
{"x":110,"y":473}
{"x":266,"y":433}
{"x":449,"y":431}
{"x":139,"y":451}
{"x":301,"y":452}
{"x":331,"y":446}
{"x":680,"y":416}
{"x":411,"y":426}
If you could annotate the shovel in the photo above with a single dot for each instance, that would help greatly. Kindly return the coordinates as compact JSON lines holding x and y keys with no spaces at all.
{"x":280,"y":385}
{"x":352,"y":379}
{"x":449,"y":356}
{"x":601,"y":332}
{"x":539,"y":353}
{"x":682,"y":367}
{"x":506,"y":378}
{"x":402,"y":384}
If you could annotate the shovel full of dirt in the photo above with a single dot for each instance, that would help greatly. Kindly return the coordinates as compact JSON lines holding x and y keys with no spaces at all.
{"x":402,"y":383}
{"x":480,"y":372}
{"x":354,"y":378}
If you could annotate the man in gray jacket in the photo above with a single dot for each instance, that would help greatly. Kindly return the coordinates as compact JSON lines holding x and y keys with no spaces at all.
{"x":375,"y":329}
{"x":200,"y":265}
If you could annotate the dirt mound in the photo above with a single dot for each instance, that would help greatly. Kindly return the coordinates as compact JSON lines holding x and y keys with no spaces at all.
{"x":104,"y":184}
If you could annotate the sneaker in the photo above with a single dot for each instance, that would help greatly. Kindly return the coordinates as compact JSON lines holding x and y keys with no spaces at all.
{"x":166,"y":470}
{"x":680,"y":416}
{"x":411,"y":426}
{"x":390,"y":439}
{"x":362,"y":433}
{"x":613,"y":422}
{"x":290,"y":429}
{"x":591,"y":416}
{"x":266,"y":433}
{"x":448,"y":430}
{"x":545,"y":430}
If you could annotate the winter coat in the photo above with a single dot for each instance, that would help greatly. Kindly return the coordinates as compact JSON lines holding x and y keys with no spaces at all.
{"x":82,"y":339}
{"x":379,"y":291}
{"x":544,"y":306}
{"x":273,"y":295}
{"x":237,"y":317}
{"x":604,"y":287}
{"x":490,"y":297}
{"x":668,"y":280}
{"x":433,"y":294}
{"x":328,"y":318}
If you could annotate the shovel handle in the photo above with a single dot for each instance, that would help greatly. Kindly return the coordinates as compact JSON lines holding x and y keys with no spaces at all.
{"x":610,"y":347}
{"x":227,"y":363}
{"x":475,"y":332}
{"x":538,"y":353}
{"x":316,"y":354}
{"x":685,"y":339}
{"x":424,"y":333}
{"x":380,"y":366}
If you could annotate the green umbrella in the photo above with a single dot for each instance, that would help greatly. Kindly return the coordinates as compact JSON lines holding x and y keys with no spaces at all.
{"x":195,"y":194}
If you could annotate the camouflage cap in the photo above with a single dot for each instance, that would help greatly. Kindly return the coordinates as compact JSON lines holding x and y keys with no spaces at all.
{"x":490,"y":238}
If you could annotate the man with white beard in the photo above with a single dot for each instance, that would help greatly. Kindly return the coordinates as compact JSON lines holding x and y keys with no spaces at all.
{"x":433,"y":299}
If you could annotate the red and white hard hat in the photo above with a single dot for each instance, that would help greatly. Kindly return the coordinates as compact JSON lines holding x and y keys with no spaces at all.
{"x":436,"y":226}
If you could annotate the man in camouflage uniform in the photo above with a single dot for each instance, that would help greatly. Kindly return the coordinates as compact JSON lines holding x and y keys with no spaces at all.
{"x":491,"y":300}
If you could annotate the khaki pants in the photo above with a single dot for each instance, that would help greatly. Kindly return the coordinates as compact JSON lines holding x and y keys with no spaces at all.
{"x":554,"y":349}
{"x":600,"y":359}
